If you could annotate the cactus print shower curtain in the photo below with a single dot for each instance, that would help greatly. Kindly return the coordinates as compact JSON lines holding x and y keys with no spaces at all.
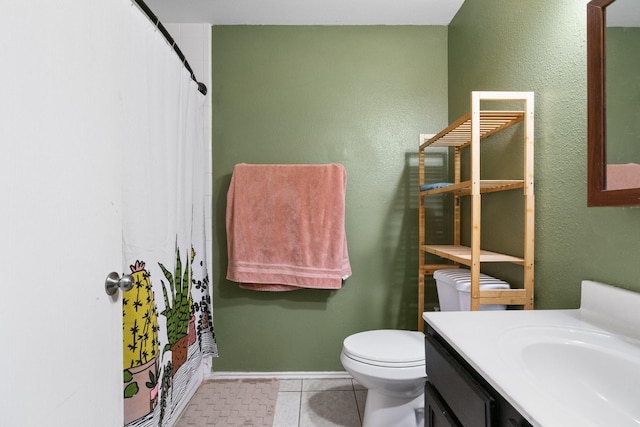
{"x":167,"y":318}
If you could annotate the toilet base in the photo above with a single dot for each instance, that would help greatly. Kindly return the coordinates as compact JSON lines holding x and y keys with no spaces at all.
{"x":384,"y":411}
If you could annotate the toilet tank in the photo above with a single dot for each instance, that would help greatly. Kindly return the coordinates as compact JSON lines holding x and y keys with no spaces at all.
{"x":454,"y":289}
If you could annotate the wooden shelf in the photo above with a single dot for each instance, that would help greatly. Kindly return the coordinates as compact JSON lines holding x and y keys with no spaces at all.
{"x":458,"y":134}
{"x":486,"y":186}
{"x":467,"y":133}
{"x":463,"y":255}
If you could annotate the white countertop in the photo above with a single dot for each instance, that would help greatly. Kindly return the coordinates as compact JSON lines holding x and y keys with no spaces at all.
{"x":546,"y":392}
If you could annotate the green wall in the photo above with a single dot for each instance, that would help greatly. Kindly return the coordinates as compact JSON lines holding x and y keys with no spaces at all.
{"x":541,"y":46}
{"x":359,"y":96}
{"x":623,"y":94}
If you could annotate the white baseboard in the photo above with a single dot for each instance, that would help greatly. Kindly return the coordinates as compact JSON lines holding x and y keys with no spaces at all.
{"x":279,"y":375}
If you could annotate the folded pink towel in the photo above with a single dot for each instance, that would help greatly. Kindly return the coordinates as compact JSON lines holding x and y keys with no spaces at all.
{"x":285,"y":227}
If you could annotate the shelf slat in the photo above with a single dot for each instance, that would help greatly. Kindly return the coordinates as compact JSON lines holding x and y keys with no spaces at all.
{"x":486,"y":186}
{"x":462,"y":254}
{"x":505,"y":296}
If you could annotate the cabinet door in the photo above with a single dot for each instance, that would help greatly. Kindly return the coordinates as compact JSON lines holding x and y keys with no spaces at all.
{"x":436,"y":412}
{"x":509,"y":417}
{"x":468,"y":401}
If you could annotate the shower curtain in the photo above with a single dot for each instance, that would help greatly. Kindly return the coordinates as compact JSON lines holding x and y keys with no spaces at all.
{"x":167,"y":318}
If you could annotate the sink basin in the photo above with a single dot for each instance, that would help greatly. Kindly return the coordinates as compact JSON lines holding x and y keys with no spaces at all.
{"x":594,"y":373}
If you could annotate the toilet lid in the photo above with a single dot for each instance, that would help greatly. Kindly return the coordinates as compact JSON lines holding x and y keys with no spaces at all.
{"x":386,"y":347}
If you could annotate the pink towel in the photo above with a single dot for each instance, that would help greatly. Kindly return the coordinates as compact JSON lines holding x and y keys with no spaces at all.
{"x":285,"y":227}
{"x":623,"y":176}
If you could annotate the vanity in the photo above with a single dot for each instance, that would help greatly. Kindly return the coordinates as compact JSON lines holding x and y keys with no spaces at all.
{"x":551,"y":368}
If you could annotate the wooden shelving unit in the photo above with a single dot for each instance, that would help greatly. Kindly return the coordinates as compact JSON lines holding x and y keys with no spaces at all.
{"x":467,"y":133}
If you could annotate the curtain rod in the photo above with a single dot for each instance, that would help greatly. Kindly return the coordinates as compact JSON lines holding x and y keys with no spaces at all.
{"x":202,"y":88}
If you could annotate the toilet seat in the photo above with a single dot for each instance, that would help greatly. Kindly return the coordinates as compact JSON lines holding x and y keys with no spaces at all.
{"x":386,"y":348}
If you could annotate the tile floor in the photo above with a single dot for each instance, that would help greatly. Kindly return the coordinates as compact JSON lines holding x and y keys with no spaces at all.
{"x":319,"y":403}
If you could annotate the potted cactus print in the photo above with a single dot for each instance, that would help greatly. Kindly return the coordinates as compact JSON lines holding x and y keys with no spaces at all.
{"x":178,"y":310}
{"x":140,"y":349}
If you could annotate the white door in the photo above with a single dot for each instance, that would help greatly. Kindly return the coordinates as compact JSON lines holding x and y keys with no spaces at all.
{"x":60,"y":214}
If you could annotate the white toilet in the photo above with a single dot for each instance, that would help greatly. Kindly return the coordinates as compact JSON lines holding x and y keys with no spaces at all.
{"x":391,"y":363}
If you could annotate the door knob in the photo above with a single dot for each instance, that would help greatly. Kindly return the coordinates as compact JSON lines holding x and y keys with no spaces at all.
{"x":114,"y":281}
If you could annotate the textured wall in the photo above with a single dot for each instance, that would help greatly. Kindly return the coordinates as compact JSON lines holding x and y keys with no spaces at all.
{"x":354,"y":95}
{"x":540,"y":46}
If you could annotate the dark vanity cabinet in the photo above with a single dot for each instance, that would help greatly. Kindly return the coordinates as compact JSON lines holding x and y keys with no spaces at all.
{"x":456,"y":395}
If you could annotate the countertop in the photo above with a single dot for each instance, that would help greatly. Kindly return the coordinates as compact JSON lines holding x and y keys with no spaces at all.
{"x":489,"y":342}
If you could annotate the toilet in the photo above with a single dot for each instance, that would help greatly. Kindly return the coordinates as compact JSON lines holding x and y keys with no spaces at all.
{"x":391,"y":363}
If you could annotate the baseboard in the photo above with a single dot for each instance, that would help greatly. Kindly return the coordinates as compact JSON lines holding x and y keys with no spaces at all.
{"x":279,"y":375}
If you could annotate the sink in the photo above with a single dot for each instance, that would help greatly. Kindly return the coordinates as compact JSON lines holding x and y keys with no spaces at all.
{"x":594,"y":373}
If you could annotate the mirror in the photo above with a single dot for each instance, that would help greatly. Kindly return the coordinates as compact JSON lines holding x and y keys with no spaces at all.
{"x":613,"y":49}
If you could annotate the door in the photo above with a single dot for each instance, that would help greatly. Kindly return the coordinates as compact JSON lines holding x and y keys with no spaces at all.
{"x":60,"y":214}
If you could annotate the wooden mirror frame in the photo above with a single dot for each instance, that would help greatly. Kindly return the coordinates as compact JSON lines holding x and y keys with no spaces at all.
{"x":597,"y":194}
